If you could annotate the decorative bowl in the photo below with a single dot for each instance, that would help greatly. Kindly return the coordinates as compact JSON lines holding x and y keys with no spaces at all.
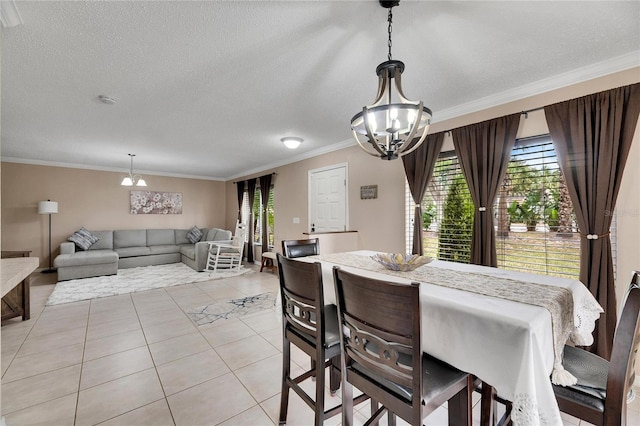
{"x":400,"y":261}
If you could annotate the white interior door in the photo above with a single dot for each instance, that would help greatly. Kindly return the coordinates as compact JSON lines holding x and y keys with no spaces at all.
{"x":328,"y":199}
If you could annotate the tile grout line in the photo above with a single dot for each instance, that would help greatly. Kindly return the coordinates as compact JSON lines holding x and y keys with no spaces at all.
{"x":84,"y":347}
{"x":155,"y":367}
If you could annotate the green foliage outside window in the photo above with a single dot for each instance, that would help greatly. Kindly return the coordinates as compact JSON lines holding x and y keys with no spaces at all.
{"x":457,"y":223}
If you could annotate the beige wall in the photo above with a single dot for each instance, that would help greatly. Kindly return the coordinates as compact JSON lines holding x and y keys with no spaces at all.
{"x":95,"y":200}
{"x":380,"y":222}
{"x":365,"y":216}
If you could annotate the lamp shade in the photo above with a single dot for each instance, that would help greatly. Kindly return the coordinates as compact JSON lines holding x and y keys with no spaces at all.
{"x":47,"y":207}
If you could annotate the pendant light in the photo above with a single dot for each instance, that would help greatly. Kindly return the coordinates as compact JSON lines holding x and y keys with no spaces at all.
{"x":392,"y":126}
{"x":132,"y":179}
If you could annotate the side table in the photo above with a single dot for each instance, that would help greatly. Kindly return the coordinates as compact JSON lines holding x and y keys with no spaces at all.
{"x":15,"y":275}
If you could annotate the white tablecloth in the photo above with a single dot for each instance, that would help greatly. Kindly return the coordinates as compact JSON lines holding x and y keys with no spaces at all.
{"x":506,"y":344}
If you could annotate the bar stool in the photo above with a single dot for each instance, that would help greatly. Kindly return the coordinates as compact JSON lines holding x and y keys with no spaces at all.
{"x":269,"y":261}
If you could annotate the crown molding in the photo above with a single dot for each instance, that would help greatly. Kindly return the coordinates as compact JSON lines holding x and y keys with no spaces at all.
{"x":105,"y":169}
{"x":579,"y":75}
{"x":304,"y":156}
{"x":9,"y":14}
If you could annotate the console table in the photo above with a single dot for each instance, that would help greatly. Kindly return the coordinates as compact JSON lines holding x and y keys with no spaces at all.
{"x":15,"y":279}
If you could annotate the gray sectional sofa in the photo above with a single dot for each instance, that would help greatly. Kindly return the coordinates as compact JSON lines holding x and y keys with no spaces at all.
{"x":135,"y":247}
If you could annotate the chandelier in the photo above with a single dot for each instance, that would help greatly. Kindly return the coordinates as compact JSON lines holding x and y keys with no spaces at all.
{"x":393,"y":126}
{"x":132,"y":179}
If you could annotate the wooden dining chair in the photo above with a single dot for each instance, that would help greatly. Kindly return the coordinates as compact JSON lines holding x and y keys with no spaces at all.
{"x":312,"y":327}
{"x":600,"y":396}
{"x":381,"y":354}
{"x":300,"y":248}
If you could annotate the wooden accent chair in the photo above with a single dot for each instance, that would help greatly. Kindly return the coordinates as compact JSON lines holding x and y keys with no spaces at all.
{"x":300,"y":248}
{"x":600,"y":396}
{"x":224,"y":256}
{"x":381,"y":354}
{"x":312,"y":327}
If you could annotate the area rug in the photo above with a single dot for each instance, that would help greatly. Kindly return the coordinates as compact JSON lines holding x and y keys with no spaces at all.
{"x":132,"y":280}
{"x":233,"y":308}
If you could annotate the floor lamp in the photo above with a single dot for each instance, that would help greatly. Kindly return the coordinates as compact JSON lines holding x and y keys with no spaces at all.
{"x":48,"y":207}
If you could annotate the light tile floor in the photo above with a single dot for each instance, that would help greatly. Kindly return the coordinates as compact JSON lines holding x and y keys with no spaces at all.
{"x":139,"y":360}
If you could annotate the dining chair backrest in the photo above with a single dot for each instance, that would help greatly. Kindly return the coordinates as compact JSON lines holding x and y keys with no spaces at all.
{"x":382,"y":344}
{"x":300,"y":248}
{"x":600,"y":394}
{"x":302,"y":296}
{"x":626,"y":343}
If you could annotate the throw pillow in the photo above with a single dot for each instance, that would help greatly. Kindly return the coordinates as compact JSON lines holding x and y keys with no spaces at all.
{"x":194,"y":235}
{"x":83,"y":239}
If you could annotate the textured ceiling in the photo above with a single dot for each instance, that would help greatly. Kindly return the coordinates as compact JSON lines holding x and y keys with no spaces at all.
{"x":207,"y":89}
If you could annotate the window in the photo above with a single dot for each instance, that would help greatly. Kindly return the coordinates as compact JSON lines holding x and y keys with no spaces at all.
{"x":257,"y":215}
{"x":534,"y":220}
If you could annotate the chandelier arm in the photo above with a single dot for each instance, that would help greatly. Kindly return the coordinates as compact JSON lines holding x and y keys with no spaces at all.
{"x":382,"y":88}
{"x":416,"y":146}
{"x":411,"y":136}
{"x":416,"y":123}
{"x":370,"y":136}
{"x":403,"y":98}
{"x":364,"y":148}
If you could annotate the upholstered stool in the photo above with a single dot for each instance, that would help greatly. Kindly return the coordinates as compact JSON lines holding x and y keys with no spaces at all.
{"x":269,"y":261}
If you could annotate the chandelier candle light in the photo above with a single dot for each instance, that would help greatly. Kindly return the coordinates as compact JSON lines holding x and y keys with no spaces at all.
{"x":133,"y":179}
{"x":393,"y":125}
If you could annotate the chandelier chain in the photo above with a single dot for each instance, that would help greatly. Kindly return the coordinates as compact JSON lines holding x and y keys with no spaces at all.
{"x":390,"y":27}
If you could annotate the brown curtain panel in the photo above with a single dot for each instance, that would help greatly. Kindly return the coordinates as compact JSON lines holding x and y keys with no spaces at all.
{"x":265,"y":188}
{"x":592,"y":136}
{"x":418,"y":166}
{"x":484,"y":151}
{"x":251,"y":193}
{"x":240,"y":190}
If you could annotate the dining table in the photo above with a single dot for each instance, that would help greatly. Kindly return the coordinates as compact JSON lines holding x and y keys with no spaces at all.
{"x":503,"y":336}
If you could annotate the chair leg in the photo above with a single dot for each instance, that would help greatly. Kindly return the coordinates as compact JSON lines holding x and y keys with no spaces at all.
{"x":347,"y":404}
{"x":264,"y":260}
{"x":319,"y":418}
{"x":286,"y":372}
{"x":374,"y":408}
{"x":334,"y":375}
{"x":488,"y":405}
{"x":459,"y":407}
{"x":391,"y":418}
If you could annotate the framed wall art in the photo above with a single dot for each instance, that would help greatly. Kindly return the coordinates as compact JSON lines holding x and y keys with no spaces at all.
{"x":152,"y":202}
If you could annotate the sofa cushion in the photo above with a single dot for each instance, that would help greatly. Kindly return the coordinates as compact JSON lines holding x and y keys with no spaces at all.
{"x":105,"y":242}
{"x":133,"y":251}
{"x":83,"y":239}
{"x":216,"y":234}
{"x":129,"y":238}
{"x":160,"y":237}
{"x":188,"y":250}
{"x":181,"y":235}
{"x":194,"y":235}
{"x":164,"y":249}
{"x":91,"y":257}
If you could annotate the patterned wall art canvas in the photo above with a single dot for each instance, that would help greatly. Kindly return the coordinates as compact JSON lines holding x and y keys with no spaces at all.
{"x":152,"y":202}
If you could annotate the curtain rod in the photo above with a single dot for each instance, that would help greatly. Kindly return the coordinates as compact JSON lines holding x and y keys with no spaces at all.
{"x":525,"y":113}
{"x":244,"y":180}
